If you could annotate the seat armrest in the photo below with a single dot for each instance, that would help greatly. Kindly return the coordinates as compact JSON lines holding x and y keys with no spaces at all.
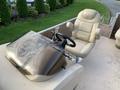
{"x":98,"y":33}
{"x":70,"y":25}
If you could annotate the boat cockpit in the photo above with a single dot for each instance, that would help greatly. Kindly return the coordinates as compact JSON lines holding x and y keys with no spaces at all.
{"x":51,"y":59}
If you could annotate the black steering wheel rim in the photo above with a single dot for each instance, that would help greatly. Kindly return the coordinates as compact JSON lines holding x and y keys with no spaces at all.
{"x":60,"y":36}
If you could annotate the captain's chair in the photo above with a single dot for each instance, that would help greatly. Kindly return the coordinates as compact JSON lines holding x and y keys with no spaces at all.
{"x":85,"y":32}
{"x":117,"y":36}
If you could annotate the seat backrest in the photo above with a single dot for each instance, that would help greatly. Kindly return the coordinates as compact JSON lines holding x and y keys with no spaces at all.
{"x":86,"y":24}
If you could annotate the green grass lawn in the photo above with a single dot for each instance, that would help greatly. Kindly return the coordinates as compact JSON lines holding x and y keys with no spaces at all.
{"x":14,"y":30}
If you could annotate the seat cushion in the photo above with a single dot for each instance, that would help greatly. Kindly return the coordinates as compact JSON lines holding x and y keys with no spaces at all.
{"x":84,"y":26}
{"x":78,"y":34}
{"x":82,"y":48}
{"x":117,"y":43}
{"x":117,"y":35}
{"x":82,"y":30}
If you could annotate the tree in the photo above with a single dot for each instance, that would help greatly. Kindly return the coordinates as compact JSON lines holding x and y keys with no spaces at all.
{"x":22,"y":8}
{"x":52,"y":4}
{"x":4,"y":12}
{"x":39,"y":6}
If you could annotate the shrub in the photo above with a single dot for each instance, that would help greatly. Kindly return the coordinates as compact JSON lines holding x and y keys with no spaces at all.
{"x":32,"y":12}
{"x":0,"y":19}
{"x":14,"y":13}
{"x":52,"y":4}
{"x":22,"y":8}
{"x":70,"y":2}
{"x":4,"y":12}
{"x":58,"y":4}
{"x":47,"y":8}
{"x":62,"y":2}
{"x":39,"y":6}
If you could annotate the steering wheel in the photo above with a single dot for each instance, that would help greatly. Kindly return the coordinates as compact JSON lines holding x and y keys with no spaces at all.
{"x":62,"y":37}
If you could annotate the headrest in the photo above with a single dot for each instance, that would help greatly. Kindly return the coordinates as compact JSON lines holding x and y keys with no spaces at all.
{"x":89,"y":14}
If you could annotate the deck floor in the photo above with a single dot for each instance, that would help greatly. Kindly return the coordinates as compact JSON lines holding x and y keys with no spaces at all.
{"x":101,"y":67}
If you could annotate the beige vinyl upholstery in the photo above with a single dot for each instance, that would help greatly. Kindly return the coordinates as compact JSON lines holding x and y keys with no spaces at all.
{"x":117,"y":36}
{"x":85,"y":32}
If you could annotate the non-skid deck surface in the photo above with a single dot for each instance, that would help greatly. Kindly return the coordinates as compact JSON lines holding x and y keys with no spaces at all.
{"x":105,"y":30}
{"x":101,"y":67}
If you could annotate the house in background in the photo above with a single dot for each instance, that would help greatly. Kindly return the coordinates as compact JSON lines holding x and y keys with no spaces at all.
{"x":12,"y":2}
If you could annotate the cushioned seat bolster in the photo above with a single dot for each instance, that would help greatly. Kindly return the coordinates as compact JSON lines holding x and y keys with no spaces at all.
{"x":86,"y":49}
{"x":93,"y":33}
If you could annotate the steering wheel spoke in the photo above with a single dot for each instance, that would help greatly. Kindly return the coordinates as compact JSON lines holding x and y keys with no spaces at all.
{"x":66,"y":40}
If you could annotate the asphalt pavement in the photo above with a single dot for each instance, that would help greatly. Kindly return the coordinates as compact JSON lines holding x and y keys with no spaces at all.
{"x":113,"y":5}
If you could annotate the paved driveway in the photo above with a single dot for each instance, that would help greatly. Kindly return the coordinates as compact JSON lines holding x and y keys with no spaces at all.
{"x":113,"y":5}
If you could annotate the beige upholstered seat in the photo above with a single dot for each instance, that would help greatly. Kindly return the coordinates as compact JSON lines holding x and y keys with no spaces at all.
{"x":117,"y":36}
{"x":85,"y":32}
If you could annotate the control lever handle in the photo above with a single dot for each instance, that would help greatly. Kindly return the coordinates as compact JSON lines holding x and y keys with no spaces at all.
{"x":54,"y":33}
